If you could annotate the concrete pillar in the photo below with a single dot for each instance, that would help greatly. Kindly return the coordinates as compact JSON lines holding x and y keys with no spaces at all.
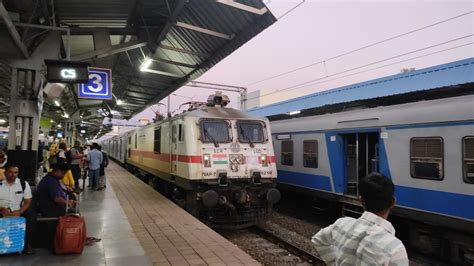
{"x":69,"y":133}
{"x":26,"y":104}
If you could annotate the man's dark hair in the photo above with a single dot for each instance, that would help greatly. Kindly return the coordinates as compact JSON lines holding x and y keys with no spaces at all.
{"x":377,"y":191}
{"x":95,"y":145}
{"x":62,"y":146}
{"x":10,"y":165}
{"x":99,"y":148}
{"x":59,"y":166}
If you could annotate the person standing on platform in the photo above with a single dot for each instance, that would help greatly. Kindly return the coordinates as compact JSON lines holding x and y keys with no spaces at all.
{"x":15,"y":200}
{"x":94,"y":158}
{"x":76,"y":163}
{"x":103,"y":165}
{"x":369,"y":240}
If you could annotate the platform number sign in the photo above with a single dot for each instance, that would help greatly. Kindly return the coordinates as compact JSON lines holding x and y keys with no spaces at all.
{"x":99,"y":85}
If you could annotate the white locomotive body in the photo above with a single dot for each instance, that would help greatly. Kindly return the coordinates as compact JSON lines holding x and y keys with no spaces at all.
{"x":217,"y":162}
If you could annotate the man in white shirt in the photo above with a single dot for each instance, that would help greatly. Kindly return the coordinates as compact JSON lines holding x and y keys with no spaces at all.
{"x":15,"y":200}
{"x":369,"y":240}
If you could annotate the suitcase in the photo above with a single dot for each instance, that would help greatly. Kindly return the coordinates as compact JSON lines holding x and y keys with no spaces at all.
{"x":70,"y":234}
{"x":12,"y":234}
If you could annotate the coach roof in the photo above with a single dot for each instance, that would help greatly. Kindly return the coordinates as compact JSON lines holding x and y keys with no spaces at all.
{"x":446,"y":75}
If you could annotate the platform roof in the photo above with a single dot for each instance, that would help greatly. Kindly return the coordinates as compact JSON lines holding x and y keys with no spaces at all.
{"x":184,"y":39}
{"x":445,"y":75}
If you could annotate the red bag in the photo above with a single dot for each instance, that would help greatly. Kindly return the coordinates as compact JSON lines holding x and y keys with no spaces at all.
{"x":70,"y":234}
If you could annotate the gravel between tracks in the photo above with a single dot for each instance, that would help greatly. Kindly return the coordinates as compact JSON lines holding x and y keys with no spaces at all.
{"x":296,"y":231}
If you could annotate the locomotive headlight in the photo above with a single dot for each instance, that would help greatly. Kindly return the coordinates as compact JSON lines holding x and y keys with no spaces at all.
{"x":264,"y":160}
{"x":207,"y":160}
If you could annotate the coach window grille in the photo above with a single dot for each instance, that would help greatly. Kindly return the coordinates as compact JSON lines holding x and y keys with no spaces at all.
{"x":287,"y":152}
{"x":157,"y":140}
{"x":310,"y":153}
{"x":426,"y":158}
{"x":173,"y":133}
{"x":468,"y":159}
{"x":180,"y":132}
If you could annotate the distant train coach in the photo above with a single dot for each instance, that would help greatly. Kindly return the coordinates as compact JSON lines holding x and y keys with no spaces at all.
{"x":217,"y":162}
{"x":425,"y":147}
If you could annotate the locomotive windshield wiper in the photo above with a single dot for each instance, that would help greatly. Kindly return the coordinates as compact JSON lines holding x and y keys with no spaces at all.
{"x":245,"y":136}
{"x":206,"y":133}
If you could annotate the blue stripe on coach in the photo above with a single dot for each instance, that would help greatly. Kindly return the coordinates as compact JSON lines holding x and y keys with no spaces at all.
{"x":447,"y":203}
{"x":319,"y":182}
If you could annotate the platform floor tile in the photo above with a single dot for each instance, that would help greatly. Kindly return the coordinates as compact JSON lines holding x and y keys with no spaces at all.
{"x":168,"y":234}
{"x":105,"y":219}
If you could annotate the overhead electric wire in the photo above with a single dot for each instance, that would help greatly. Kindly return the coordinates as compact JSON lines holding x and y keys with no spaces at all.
{"x":362,"y":66}
{"x":391,"y":64}
{"x":359,"y":49}
{"x":290,"y":10}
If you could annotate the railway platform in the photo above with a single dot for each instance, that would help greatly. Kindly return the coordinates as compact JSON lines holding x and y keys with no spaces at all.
{"x":139,"y":226}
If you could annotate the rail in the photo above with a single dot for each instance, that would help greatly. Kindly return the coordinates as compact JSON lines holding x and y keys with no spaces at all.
{"x":301,"y":253}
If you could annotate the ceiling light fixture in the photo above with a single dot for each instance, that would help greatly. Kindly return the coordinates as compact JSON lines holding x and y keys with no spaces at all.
{"x":120,"y":102}
{"x":146,"y":63}
{"x":56,"y":102}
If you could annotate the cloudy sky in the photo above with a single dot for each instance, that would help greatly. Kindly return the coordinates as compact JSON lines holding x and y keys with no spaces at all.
{"x":317,"y":31}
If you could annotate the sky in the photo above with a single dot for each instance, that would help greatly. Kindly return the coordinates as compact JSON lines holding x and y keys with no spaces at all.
{"x":317,"y":31}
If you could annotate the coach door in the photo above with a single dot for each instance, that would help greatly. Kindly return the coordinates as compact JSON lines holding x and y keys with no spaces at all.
{"x":361,"y":158}
{"x":174,"y":148}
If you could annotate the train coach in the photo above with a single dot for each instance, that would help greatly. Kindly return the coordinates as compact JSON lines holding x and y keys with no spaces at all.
{"x":425,"y":147}
{"x":217,"y":162}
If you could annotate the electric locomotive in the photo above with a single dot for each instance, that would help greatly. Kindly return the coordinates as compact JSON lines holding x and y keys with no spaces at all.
{"x":217,"y":162}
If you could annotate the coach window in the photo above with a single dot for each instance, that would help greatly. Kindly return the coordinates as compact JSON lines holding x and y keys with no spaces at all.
{"x":157,"y":140}
{"x":173,"y":133}
{"x":136,"y":140}
{"x":180,"y":132}
{"x":426,"y":158}
{"x":287,"y":152}
{"x":129,"y":140}
{"x":310,"y":153}
{"x":468,"y":159}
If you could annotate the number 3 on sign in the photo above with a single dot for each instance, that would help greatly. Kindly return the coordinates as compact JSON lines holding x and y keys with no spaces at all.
{"x":96,"y":80}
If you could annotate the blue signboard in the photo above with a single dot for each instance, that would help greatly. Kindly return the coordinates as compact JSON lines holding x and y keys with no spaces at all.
{"x":99,"y":85}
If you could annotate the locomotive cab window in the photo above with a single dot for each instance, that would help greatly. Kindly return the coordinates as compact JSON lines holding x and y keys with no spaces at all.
{"x":157,"y":140}
{"x":468,"y":159}
{"x":426,"y":158}
{"x":215,"y":131}
{"x":250,"y":132}
{"x":287,"y":152}
{"x":310,"y":153}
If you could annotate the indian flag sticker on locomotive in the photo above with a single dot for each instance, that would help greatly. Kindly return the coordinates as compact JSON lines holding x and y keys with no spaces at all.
{"x":219,"y":159}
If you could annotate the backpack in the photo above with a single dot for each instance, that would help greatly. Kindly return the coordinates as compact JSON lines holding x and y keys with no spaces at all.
{"x":105,"y":160}
{"x":68,"y":157}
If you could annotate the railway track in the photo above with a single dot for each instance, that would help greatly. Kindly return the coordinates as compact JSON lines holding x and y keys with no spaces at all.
{"x":297,"y":251}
